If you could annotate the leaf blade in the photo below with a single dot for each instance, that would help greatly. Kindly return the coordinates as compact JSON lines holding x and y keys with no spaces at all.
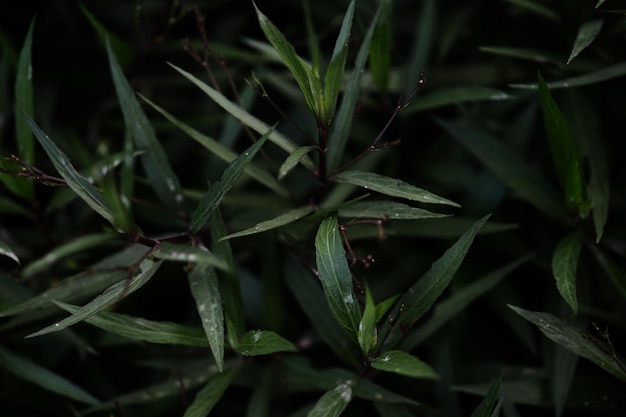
{"x":288,"y":217}
{"x":402,"y":363}
{"x":564,"y":265}
{"x":263,"y":342}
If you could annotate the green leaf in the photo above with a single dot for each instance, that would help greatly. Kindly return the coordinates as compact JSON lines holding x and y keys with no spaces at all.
{"x":155,"y":163}
{"x":141,"y":329}
{"x":210,"y":394}
{"x":342,"y":123}
{"x":445,"y":97}
{"x":524,"y":53}
{"x":293,"y":159}
{"x":217,"y":191}
{"x":368,"y":336}
{"x":586,"y":35}
{"x":335,"y":276}
{"x":263,"y":342}
{"x":298,"y":68}
{"x":488,"y":404}
{"x":5,"y":250}
{"x":420,"y":297}
{"x":386,"y":210}
{"x":24,"y":103}
{"x":285,"y":218}
{"x":572,"y":339}
{"x":110,"y":296}
{"x":604,"y":74}
{"x":402,"y":363}
{"x":76,"y":245}
{"x":79,"y":184}
{"x":564,"y":152}
{"x":536,"y":8}
{"x":390,"y":186}
{"x":333,"y":402}
{"x":189,"y":254}
{"x":616,"y":275}
{"x":38,"y":375}
{"x":456,"y":303}
{"x":123,"y":51}
{"x":246,"y":118}
{"x":205,"y":290}
{"x":564,"y":265}
{"x":222,"y":152}
{"x":380,"y":52}
{"x":509,"y":167}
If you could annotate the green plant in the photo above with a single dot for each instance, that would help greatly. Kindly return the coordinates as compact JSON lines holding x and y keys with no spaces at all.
{"x":299,"y":270}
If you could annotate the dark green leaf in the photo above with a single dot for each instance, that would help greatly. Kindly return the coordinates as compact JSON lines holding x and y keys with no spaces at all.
{"x":389,"y":210}
{"x":160,"y":174}
{"x":205,"y":290}
{"x":390,"y":186}
{"x":333,"y":402}
{"x":142,"y":329}
{"x":613,"y":271}
{"x":523,"y":53}
{"x":79,"y":184}
{"x":263,"y":342}
{"x":110,"y":296}
{"x":210,"y":394}
{"x":536,"y":8}
{"x":189,"y":254}
{"x":217,"y":191}
{"x":574,"y":340}
{"x":604,"y":74}
{"x":123,"y":51}
{"x":456,"y":95}
{"x":367,"y":336}
{"x":5,"y":250}
{"x":402,"y":363}
{"x":293,"y":159}
{"x":586,"y":35}
{"x":335,"y":276}
{"x":285,"y":218}
{"x":380,"y":51}
{"x":564,"y":265}
{"x":38,"y":375}
{"x":564,"y":152}
{"x":488,"y":404}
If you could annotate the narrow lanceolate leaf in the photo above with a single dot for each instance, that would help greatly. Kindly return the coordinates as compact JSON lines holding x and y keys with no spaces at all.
{"x":390,"y":186}
{"x":564,"y":152}
{"x":509,"y":167}
{"x":217,"y":191}
{"x":189,"y":254}
{"x":246,"y":118}
{"x":292,"y":160}
{"x":285,"y":218}
{"x":5,"y":250}
{"x":263,"y":342}
{"x":380,"y":52}
{"x":141,"y":329}
{"x":79,"y":184}
{"x":564,"y":265}
{"x":574,"y":340}
{"x":386,"y":210}
{"x":222,"y":152}
{"x":421,"y":296}
{"x":604,"y":74}
{"x":586,"y":34}
{"x":342,"y":122}
{"x":158,"y":170}
{"x":456,"y":95}
{"x":288,"y":56}
{"x":335,"y":275}
{"x":210,"y":394}
{"x":368,"y":336}
{"x":205,"y":290}
{"x":488,"y":404}
{"x":110,"y":296}
{"x":24,"y":102}
{"x":402,"y":363}
{"x":123,"y":51}
{"x":334,"y":402}
{"x":38,"y":375}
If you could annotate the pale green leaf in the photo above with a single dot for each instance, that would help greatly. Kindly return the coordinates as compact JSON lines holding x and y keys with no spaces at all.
{"x":217,"y":191}
{"x":110,"y":296}
{"x":574,"y":340}
{"x":390,"y":186}
{"x":564,"y":265}
{"x":210,"y":394}
{"x":402,"y":363}
{"x":389,"y":210}
{"x":334,"y":402}
{"x":281,"y":220}
{"x":335,"y":276}
{"x":243,"y":116}
{"x":25,"y":369}
{"x":141,"y":329}
{"x":189,"y":254}
{"x":586,"y":35}
{"x":5,"y":250}
{"x":155,"y":162}
{"x":293,"y":159}
{"x":205,"y":290}
{"x":263,"y":342}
